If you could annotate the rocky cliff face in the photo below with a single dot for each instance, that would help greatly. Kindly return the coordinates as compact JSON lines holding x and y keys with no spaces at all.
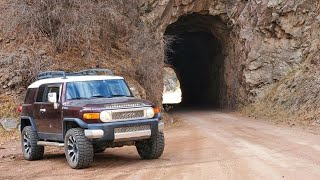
{"x":265,"y":53}
{"x":262,"y":41}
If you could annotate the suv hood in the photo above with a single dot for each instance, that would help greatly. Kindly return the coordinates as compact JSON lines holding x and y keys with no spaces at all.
{"x":106,"y":102}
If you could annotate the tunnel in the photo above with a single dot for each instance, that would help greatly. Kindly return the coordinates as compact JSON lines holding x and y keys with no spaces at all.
{"x":196,"y":54}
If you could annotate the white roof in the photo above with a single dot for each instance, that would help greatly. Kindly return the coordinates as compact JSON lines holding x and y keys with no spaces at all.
{"x":38,"y":83}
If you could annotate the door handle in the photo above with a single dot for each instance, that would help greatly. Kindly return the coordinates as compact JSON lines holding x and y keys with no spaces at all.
{"x":43,"y":110}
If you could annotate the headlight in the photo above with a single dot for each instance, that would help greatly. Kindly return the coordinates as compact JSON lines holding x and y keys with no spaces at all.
{"x":149,"y":113}
{"x":105,"y":116}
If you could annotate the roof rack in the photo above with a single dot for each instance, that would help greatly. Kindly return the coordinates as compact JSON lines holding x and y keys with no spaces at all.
{"x":63,"y":74}
{"x":95,"y":71}
{"x":51,"y":74}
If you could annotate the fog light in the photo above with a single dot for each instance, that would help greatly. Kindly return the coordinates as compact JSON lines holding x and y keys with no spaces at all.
{"x":105,"y":116}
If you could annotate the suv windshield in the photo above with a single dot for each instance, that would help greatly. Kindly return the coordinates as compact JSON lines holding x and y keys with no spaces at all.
{"x":97,"y":89}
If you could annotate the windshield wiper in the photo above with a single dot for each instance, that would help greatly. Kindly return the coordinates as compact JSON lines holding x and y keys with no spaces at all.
{"x":78,"y":98}
{"x":98,"y":96}
{"x":119,"y":95}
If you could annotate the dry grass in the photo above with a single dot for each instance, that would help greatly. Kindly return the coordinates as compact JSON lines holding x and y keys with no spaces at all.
{"x":295,"y":100}
{"x":170,"y":120}
{"x":76,"y":35}
{"x":70,"y":23}
{"x":8,"y":135}
{"x":145,"y":50}
{"x":8,"y":108}
{"x":85,"y":34}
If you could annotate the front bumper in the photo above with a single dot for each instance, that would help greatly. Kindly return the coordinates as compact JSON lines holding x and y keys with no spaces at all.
{"x":106,"y":131}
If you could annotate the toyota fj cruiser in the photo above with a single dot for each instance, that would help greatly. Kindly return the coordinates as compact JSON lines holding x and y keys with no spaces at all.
{"x":86,"y":112}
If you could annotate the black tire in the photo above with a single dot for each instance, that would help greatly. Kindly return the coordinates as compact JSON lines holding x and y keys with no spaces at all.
{"x":78,"y":149}
{"x":29,"y":138}
{"x":151,"y":148}
{"x":99,"y":149}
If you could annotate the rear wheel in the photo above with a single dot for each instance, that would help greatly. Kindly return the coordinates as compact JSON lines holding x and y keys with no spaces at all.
{"x":78,"y":149}
{"x":151,"y":148}
{"x":29,"y":139}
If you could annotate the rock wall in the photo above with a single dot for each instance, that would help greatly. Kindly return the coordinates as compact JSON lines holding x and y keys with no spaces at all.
{"x":269,"y":49}
{"x":263,"y":40}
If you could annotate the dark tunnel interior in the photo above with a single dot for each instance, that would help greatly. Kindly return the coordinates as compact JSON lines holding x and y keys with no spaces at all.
{"x":197,"y":58}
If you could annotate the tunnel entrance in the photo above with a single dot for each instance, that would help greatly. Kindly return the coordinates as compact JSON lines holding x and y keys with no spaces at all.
{"x":196,"y":55}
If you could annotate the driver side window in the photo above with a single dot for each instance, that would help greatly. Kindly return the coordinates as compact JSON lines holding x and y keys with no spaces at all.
{"x":45,"y":89}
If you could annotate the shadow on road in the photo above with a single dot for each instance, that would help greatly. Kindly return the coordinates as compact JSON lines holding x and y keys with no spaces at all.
{"x":102,"y":160}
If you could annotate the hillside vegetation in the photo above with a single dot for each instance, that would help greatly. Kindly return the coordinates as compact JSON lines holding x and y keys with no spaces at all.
{"x":73,"y":35}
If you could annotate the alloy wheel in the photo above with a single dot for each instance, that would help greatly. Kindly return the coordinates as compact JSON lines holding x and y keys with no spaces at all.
{"x":27,"y":144}
{"x":73,"y":149}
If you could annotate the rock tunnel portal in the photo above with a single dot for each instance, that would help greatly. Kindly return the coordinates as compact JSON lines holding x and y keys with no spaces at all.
{"x":196,"y":53}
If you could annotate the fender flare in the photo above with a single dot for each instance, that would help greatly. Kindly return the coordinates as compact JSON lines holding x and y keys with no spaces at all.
{"x":23,"y":123}
{"x":78,"y":121}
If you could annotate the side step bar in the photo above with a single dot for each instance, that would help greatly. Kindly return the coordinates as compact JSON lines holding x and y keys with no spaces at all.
{"x":46,"y":143}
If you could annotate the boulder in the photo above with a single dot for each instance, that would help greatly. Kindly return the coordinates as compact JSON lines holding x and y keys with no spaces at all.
{"x":9,"y":124}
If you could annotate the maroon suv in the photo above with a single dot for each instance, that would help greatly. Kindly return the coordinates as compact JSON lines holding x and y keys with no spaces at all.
{"x":85,"y":113}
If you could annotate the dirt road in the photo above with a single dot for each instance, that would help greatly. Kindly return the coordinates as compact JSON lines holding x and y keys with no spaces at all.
{"x":208,"y":145}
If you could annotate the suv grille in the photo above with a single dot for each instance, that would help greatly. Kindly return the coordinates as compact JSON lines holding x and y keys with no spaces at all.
{"x":131,"y":129}
{"x":127,"y":115}
{"x":124,"y":105}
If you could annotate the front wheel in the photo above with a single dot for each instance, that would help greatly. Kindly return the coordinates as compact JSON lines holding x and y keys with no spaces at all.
{"x":78,"y":149}
{"x":151,"y":148}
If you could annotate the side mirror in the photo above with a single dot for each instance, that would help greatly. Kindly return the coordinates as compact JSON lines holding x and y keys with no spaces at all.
{"x":133,"y":91}
{"x":52,"y":97}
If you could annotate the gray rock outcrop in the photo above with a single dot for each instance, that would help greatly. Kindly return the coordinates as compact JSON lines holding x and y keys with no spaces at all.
{"x":263,"y":40}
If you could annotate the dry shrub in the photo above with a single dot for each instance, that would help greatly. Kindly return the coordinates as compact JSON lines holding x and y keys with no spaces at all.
{"x":72,"y":23}
{"x":111,"y":25}
{"x":8,"y":135}
{"x":167,"y":42}
{"x":20,"y":68}
{"x":148,"y":63}
{"x":8,"y":107}
{"x":149,"y":56}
